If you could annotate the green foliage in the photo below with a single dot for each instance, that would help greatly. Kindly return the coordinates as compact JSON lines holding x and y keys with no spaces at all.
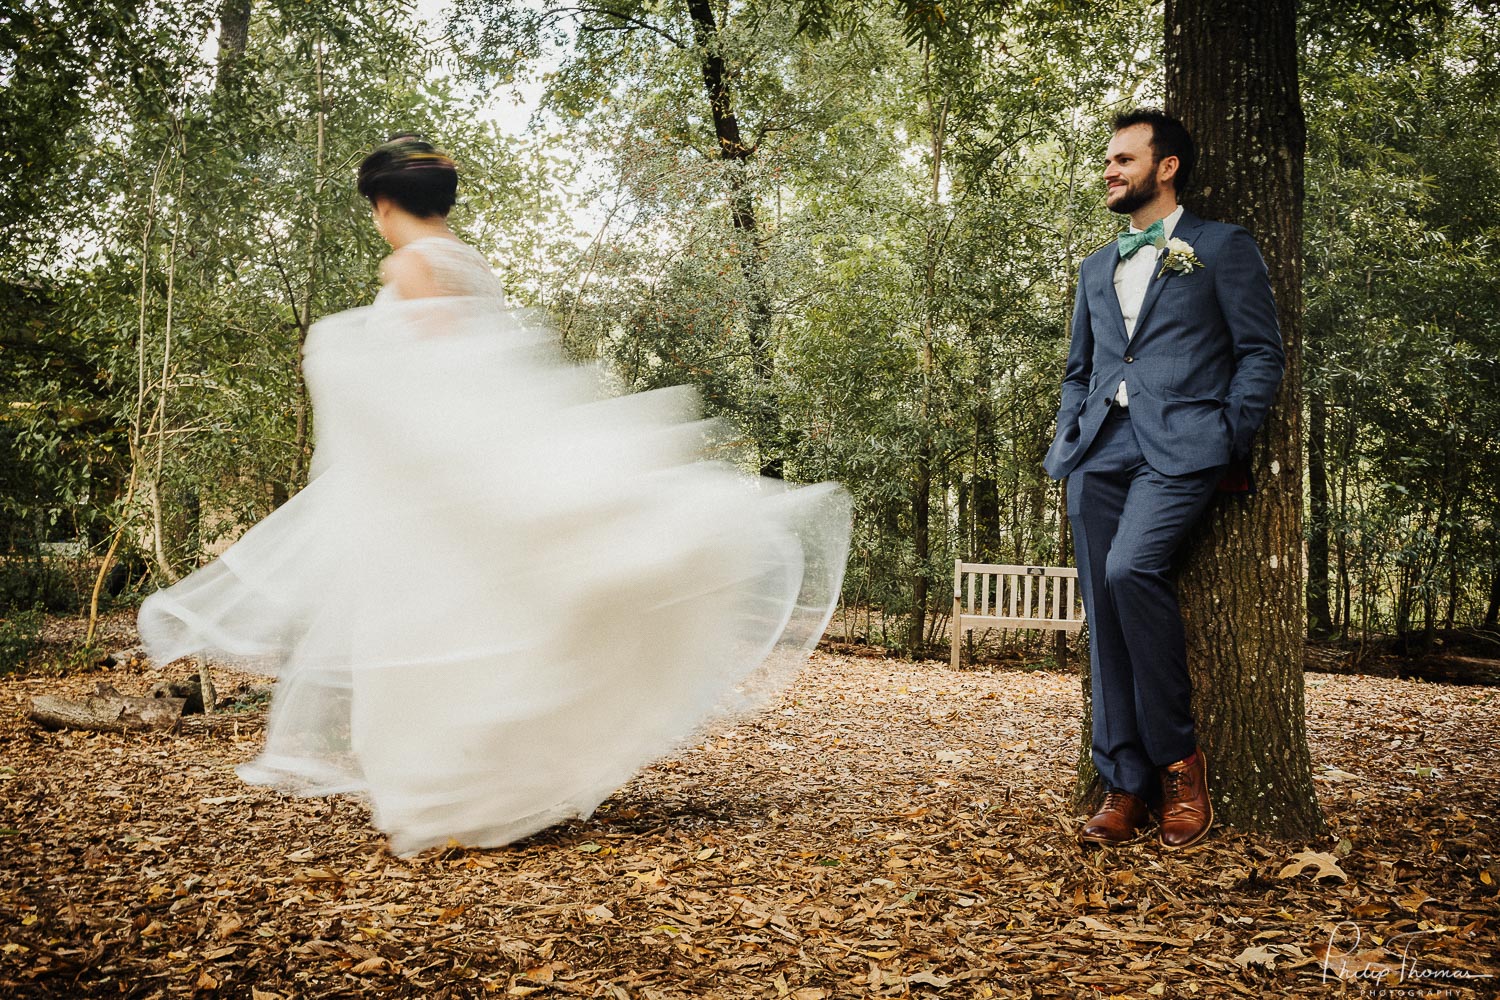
{"x":1403,"y":316}
{"x":162,"y":290}
{"x":47,"y":584}
{"x":917,"y":333}
{"x":875,"y":288}
{"x":20,"y":638}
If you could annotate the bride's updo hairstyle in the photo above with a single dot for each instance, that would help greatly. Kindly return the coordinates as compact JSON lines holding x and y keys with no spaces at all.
{"x":412,"y":173}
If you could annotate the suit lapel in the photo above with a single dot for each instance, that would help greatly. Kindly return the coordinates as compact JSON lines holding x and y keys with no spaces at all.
{"x":1186,"y":229}
{"x":1104,"y":288}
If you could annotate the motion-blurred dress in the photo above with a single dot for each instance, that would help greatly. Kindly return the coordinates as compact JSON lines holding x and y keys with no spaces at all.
{"x":504,"y":591}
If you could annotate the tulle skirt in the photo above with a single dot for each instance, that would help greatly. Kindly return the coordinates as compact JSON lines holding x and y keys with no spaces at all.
{"x":503,"y":592}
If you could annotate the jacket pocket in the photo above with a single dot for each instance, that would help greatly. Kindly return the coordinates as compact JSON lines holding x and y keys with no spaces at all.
{"x":1172,"y":395}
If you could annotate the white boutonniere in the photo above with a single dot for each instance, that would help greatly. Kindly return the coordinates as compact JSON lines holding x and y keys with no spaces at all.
{"x":1179,"y":256}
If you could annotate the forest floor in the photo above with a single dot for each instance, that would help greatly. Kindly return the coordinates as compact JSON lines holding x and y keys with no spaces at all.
{"x":887,"y":829}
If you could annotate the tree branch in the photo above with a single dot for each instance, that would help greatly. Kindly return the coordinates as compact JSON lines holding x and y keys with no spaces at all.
{"x":627,"y":22}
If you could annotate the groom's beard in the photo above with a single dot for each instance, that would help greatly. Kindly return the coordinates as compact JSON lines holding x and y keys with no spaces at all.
{"x":1135,"y":196}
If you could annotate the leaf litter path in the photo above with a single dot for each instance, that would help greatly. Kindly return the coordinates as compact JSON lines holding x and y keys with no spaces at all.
{"x":885,"y":829}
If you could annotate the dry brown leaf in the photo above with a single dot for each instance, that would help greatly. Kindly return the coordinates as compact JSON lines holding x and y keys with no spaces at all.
{"x":1268,"y":955}
{"x":1415,"y":900}
{"x":928,"y":979}
{"x":1326,"y":864}
{"x":1371,"y":965}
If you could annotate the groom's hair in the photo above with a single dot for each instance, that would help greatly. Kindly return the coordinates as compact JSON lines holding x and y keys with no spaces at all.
{"x":1168,"y":138}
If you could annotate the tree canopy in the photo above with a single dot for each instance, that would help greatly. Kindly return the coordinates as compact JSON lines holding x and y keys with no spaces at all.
{"x":852,"y":227}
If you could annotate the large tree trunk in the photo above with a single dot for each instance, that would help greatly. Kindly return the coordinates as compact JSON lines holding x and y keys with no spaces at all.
{"x":1231,"y":77}
{"x":764,"y":415}
{"x":1231,"y":72}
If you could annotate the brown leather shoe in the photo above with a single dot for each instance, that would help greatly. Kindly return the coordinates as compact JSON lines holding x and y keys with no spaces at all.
{"x":1119,"y":820}
{"x":1186,"y":810}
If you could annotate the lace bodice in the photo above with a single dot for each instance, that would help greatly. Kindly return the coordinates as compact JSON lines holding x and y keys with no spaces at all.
{"x":458,"y":268}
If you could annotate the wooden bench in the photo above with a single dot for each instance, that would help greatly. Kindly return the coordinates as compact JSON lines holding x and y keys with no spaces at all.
{"x":987,"y":595}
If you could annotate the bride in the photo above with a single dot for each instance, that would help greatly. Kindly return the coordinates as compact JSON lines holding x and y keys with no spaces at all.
{"x":503,"y":592}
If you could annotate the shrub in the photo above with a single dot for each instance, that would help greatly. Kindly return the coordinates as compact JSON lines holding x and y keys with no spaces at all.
{"x":54,"y":584}
{"x":20,"y":638}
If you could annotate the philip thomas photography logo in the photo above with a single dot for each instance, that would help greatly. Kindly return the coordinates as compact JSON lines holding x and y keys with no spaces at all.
{"x":1399,"y":965}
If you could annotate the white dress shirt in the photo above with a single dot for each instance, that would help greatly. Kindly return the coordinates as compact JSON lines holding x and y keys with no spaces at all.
{"x":1131,"y":279}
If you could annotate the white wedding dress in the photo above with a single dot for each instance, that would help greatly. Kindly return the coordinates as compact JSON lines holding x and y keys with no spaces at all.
{"x":503,"y":592}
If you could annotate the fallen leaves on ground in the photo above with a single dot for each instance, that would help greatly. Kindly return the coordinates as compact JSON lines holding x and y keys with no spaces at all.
{"x":1324,"y":866}
{"x":887,"y":829}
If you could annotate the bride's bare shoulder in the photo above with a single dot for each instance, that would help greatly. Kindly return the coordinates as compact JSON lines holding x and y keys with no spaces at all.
{"x":411,"y":274}
{"x":435,"y":266}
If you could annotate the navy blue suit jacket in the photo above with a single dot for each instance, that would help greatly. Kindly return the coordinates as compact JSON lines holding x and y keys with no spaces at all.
{"x":1202,"y":368}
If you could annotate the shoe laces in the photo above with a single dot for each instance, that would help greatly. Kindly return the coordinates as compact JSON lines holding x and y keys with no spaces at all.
{"x":1174,"y":784}
{"x":1116,"y":800}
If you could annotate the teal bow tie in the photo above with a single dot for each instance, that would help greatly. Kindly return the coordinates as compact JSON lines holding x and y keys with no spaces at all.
{"x":1131,"y":242}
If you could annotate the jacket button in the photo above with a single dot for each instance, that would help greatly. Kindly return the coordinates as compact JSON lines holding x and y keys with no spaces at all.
{"x":1129,"y":360}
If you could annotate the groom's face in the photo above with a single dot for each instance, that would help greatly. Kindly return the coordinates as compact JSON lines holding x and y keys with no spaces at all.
{"x":1130,"y":170}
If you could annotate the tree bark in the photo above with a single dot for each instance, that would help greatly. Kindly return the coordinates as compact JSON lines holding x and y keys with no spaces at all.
{"x":1319,"y":615}
{"x":921,"y":500}
{"x":1345,"y":592}
{"x":765,"y":410}
{"x":302,"y":459}
{"x":107,"y":711}
{"x":986,"y":487}
{"x":234,"y":33}
{"x":197,"y":691}
{"x":1492,"y":611}
{"x":166,"y":571}
{"x":921,"y":517}
{"x":1460,"y":492}
{"x":1231,"y":77}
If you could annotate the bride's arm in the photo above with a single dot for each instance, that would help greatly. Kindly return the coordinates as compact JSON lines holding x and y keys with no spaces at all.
{"x":409,"y":273}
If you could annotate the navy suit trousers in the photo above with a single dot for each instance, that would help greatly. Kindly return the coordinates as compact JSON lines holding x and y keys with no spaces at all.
{"x":1128,"y":523}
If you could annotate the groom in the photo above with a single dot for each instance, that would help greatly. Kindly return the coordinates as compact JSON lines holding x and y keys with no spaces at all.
{"x":1175,"y":359}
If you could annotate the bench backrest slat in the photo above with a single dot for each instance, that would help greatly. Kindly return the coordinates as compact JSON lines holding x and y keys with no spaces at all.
{"x":1013,"y":596}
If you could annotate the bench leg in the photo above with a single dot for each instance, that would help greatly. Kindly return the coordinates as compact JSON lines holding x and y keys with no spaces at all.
{"x":957,"y":633}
